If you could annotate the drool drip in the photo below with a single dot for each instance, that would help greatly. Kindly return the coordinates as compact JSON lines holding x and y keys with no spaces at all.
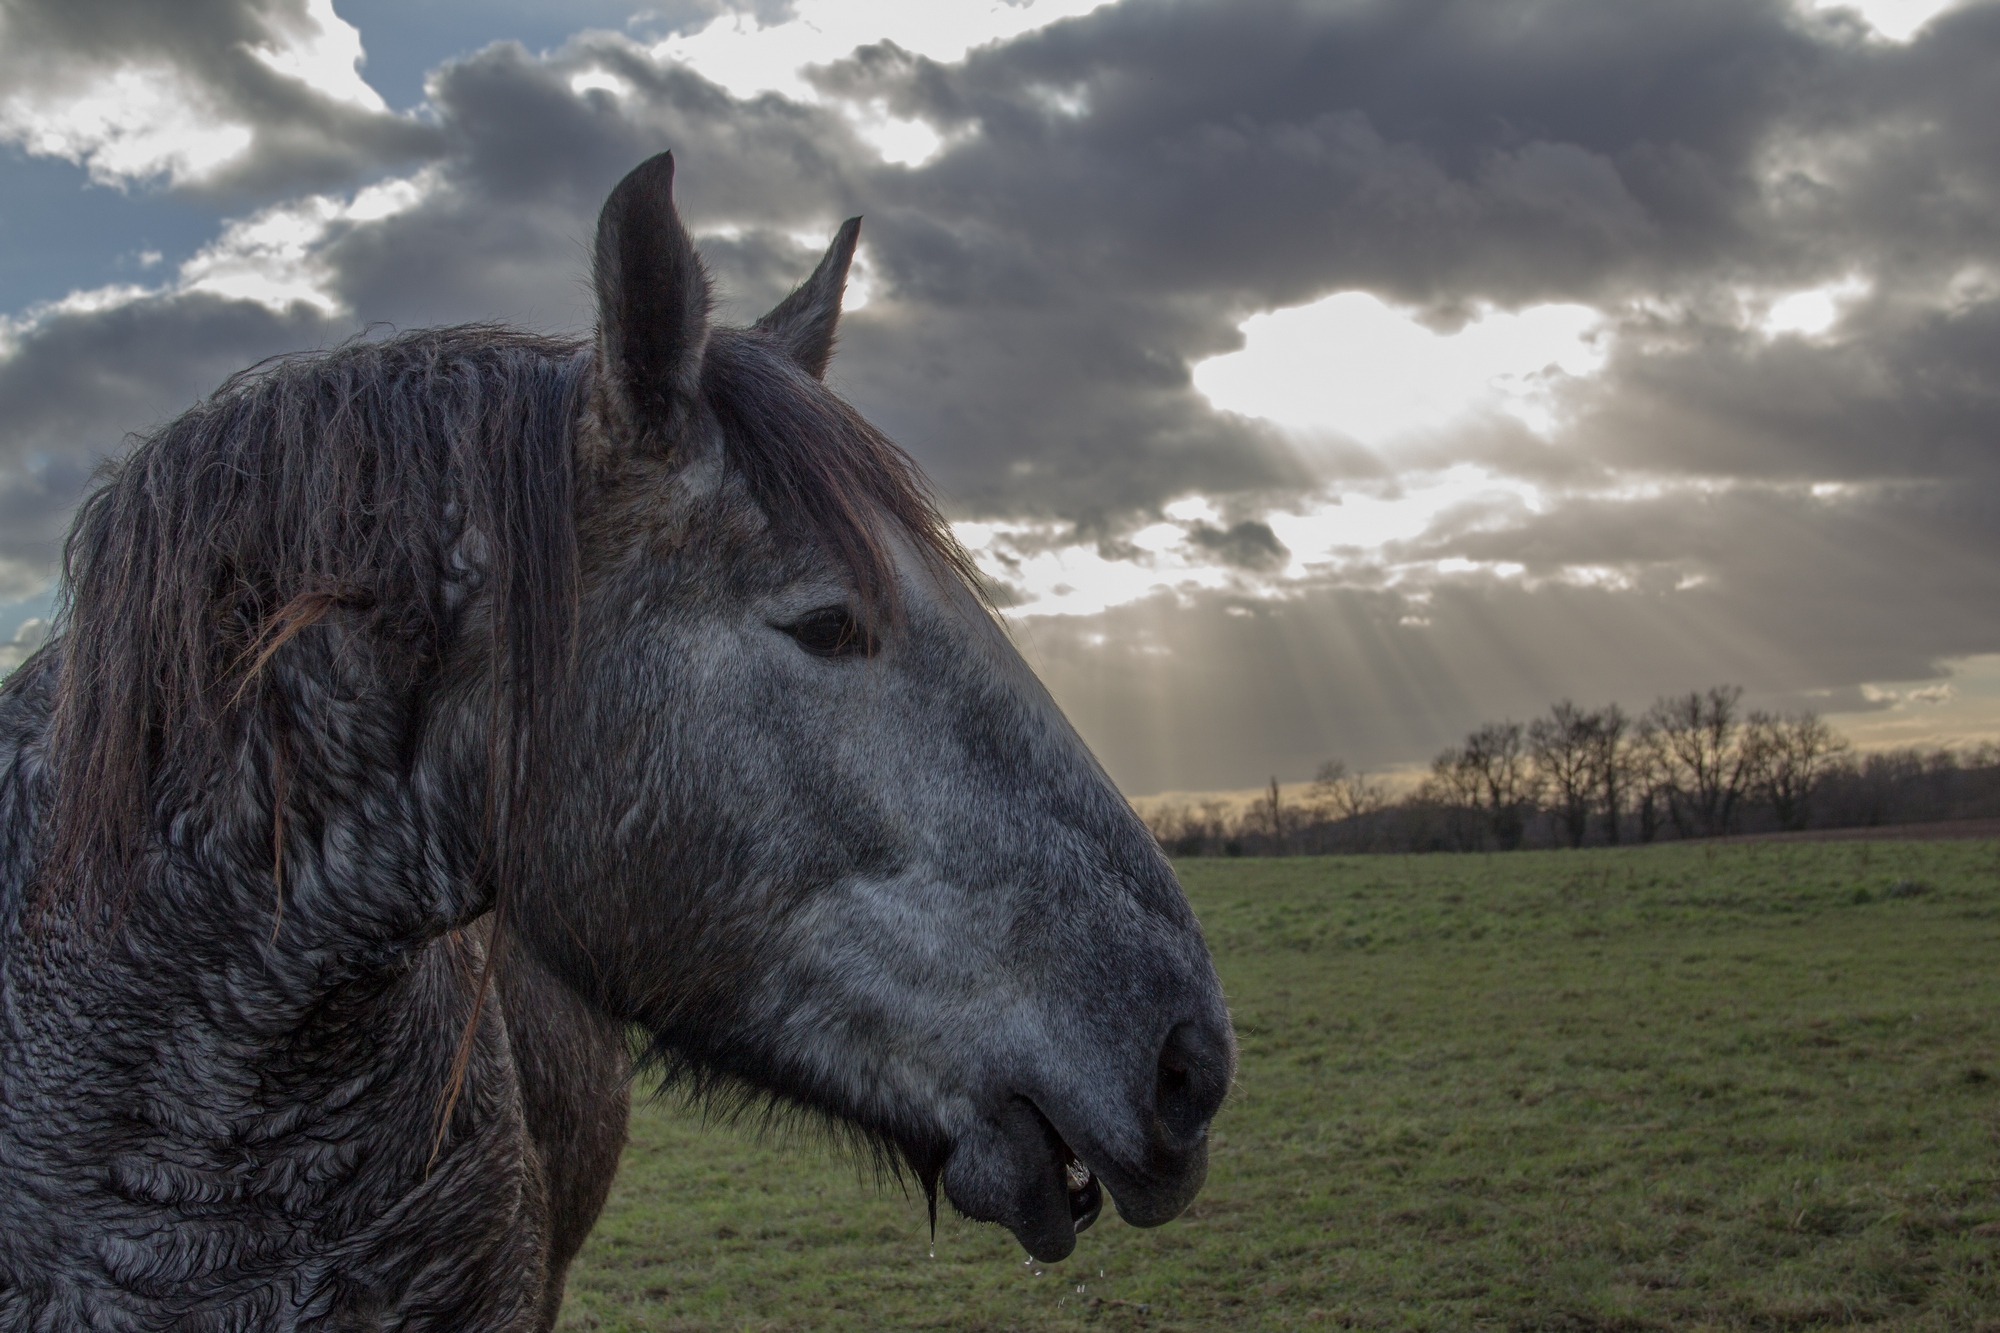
{"x":929,"y":1175}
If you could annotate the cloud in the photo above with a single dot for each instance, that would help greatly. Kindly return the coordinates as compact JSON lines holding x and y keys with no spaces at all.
{"x":74,"y":387}
{"x":1416,"y":150}
{"x":1123,"y":189}
{"x":1755,"y":247}
{"x":1246,"y":545}
{"x":27,"y":637}
{"x":1904,"y":390}
{"x":213,"y":95}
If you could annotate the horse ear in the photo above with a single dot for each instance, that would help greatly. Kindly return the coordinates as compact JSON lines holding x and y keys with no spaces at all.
{"x":803,"y":322}
{"x":652,"y":306}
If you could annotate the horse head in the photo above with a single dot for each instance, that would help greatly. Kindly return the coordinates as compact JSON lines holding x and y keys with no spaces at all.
{"x":811,"y":822}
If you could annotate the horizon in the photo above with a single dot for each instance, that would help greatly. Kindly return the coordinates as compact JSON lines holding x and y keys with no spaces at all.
{"x":1401,"y":780}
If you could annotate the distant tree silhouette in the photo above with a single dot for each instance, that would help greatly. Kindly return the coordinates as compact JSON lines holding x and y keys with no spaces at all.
{"x":1453,"y":791}
{"x":1789,"y":758}
{"x":1692,"y":766}
{"x":1271,"y":812}
{"x":1497,"y":757}
{"x":1347,"y":802}
{"x":1564,"y":748}
{"x":1696,"y":743}
{"x":1612,"y":762}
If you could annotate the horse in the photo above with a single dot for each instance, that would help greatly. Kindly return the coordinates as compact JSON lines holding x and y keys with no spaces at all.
{"x":427,"y":717}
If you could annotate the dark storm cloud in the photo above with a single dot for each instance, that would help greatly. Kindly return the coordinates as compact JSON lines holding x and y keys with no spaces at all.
{"x":79,"y":383}
{"x":301,"y":137}
{"x":35,"y":500}
{"x":1899,"y":393}
{"x":1227,"y":158}
{"x":82,"y":380}
{"x":1246,"y":545}
{"x":506,"y":232}
{"x":1807,"y":559}
{"x":1430,"y":150}
{"x":1123,"y":188}
{"x":1023,"y":388}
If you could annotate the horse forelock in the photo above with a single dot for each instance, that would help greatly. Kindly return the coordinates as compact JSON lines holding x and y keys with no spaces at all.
{"x":821,"y":472}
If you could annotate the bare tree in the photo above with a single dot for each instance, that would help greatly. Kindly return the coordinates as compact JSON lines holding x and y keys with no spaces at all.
{"x":1180,"y":831}
{"x":1563,"y":746}
{"x":1454,"y":789}
{"x":1497,"y":757}
{"x":1789,"y":758}
{"x":1612,"y":759}
{"x":1270,"y":817}
{"x":1214,"y":823}
{"x":1646,"y":774}
{"x":1324,"y":794}
{"x":1452,"y":781}
{"x":1697,"y":741}
{"x":1184,"y":831}
{"x":1348,"y":799}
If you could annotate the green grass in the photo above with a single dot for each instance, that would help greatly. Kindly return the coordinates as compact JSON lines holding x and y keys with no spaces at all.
{"x":1744,"y":1087}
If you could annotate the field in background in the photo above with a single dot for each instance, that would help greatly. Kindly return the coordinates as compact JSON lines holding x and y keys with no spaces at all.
{"x":1688,"y":1086}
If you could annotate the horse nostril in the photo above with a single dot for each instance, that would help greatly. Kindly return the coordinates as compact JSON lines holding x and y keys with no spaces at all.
{"x":1192,"y":1077}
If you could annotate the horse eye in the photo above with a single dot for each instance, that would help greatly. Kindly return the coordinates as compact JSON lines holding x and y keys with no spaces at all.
{"x":831,"y":631}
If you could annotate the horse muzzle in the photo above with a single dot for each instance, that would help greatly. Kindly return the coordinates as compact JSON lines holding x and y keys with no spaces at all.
{"x":1039,"y":1164}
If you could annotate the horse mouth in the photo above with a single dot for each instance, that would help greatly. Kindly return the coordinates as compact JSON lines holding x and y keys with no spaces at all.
{"x":1086,"y":1196}
{"x":1068,"y":1190}
{"x":1021,"y":1173}
{"x":1067,"y":1187}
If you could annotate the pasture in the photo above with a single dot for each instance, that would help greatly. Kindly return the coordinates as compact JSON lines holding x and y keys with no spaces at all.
{"x":1749,"y":1086}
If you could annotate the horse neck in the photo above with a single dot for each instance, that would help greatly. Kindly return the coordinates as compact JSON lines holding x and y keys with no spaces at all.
{"x":246,"y":1066}
{"x":338,"y":842}
{"x":25,"y":788}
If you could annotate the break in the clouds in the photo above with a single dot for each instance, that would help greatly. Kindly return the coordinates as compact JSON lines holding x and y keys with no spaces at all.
{"x":1312,"y":379}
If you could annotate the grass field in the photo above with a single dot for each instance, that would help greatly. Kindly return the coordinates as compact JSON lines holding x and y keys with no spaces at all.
{"x":1747,"y":1086}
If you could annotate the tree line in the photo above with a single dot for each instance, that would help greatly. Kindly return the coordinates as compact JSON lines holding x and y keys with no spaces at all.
{"x":1692,"y":766}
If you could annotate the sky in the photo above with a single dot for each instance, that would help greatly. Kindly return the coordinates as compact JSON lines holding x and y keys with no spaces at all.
{"x":1313,"y":380}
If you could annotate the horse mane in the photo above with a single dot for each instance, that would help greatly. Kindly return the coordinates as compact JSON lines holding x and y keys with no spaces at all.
{"x":383,"y":480}
{"x":355,"y":480}
{"x":821,"y":471}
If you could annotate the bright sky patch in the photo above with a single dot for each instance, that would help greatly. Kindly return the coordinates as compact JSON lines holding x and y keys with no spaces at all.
{"x":1376,"y":534}
{"x":1814,"y":311}
{"x":1354,"y":365}
{"x":1962,"y":709}
{"x":324,"y":53}
{"x":1898,"y":20}
{"x":1348,"y":537}
{"x":273,"y":257}
{"x":136,"y":123}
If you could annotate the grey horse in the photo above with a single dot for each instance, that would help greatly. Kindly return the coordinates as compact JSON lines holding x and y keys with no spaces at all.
{"x":426,"y":716}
